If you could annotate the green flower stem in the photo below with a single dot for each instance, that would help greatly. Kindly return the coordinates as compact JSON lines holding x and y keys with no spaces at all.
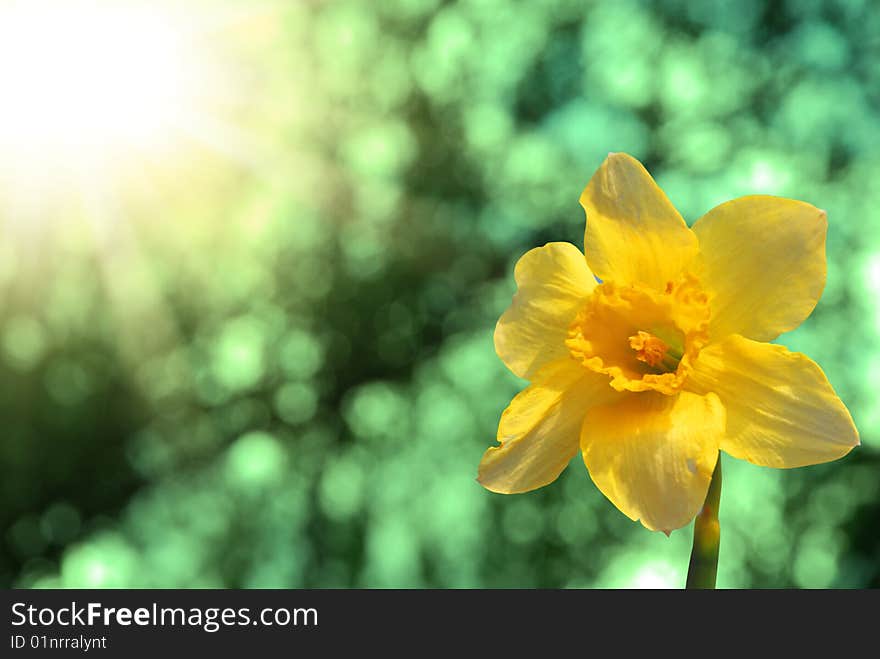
{"x":707,"y":538}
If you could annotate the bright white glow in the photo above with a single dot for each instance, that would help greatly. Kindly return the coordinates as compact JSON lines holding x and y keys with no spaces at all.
{"x":766,"y":178}
{"x":873,"y":273}
{"x":77,"y":75}
{"x":872,"y":277}
{"x":658,"y":574}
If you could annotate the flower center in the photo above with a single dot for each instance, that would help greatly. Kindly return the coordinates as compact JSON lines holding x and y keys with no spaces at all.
{"x":649,"y":348}
{"x":642,"y":338}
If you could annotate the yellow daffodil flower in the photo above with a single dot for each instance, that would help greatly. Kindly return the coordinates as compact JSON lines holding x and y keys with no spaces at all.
{"x":649,"y":351}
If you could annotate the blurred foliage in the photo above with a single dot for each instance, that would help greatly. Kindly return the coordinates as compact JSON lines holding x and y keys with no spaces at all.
{"x":273,"y":365}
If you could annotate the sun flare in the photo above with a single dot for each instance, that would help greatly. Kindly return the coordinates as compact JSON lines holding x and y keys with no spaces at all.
{"x":112,"y":112}
{"x":91,"y":77}
{"x":102,"y":101}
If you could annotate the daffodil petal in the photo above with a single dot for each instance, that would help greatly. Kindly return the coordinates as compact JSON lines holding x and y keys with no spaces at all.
{"x":763,"y":264}
{"x":552,"y":283}
{"x":539,"y":430}
{"x":653,"y":455}
{"x":781,"y":409}
{"x":634,"y":234}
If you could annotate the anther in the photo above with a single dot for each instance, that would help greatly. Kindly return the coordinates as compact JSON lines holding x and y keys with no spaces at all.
{"x":649,"y":348}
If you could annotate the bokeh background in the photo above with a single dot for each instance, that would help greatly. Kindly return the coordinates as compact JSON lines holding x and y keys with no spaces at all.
{"x":258,"y":352}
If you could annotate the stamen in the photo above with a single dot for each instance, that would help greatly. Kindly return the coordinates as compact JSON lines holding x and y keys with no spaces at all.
{"x":649,"y":348}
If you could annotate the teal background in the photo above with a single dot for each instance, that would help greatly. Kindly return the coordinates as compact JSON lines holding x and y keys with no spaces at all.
{"x":272,"y":366}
